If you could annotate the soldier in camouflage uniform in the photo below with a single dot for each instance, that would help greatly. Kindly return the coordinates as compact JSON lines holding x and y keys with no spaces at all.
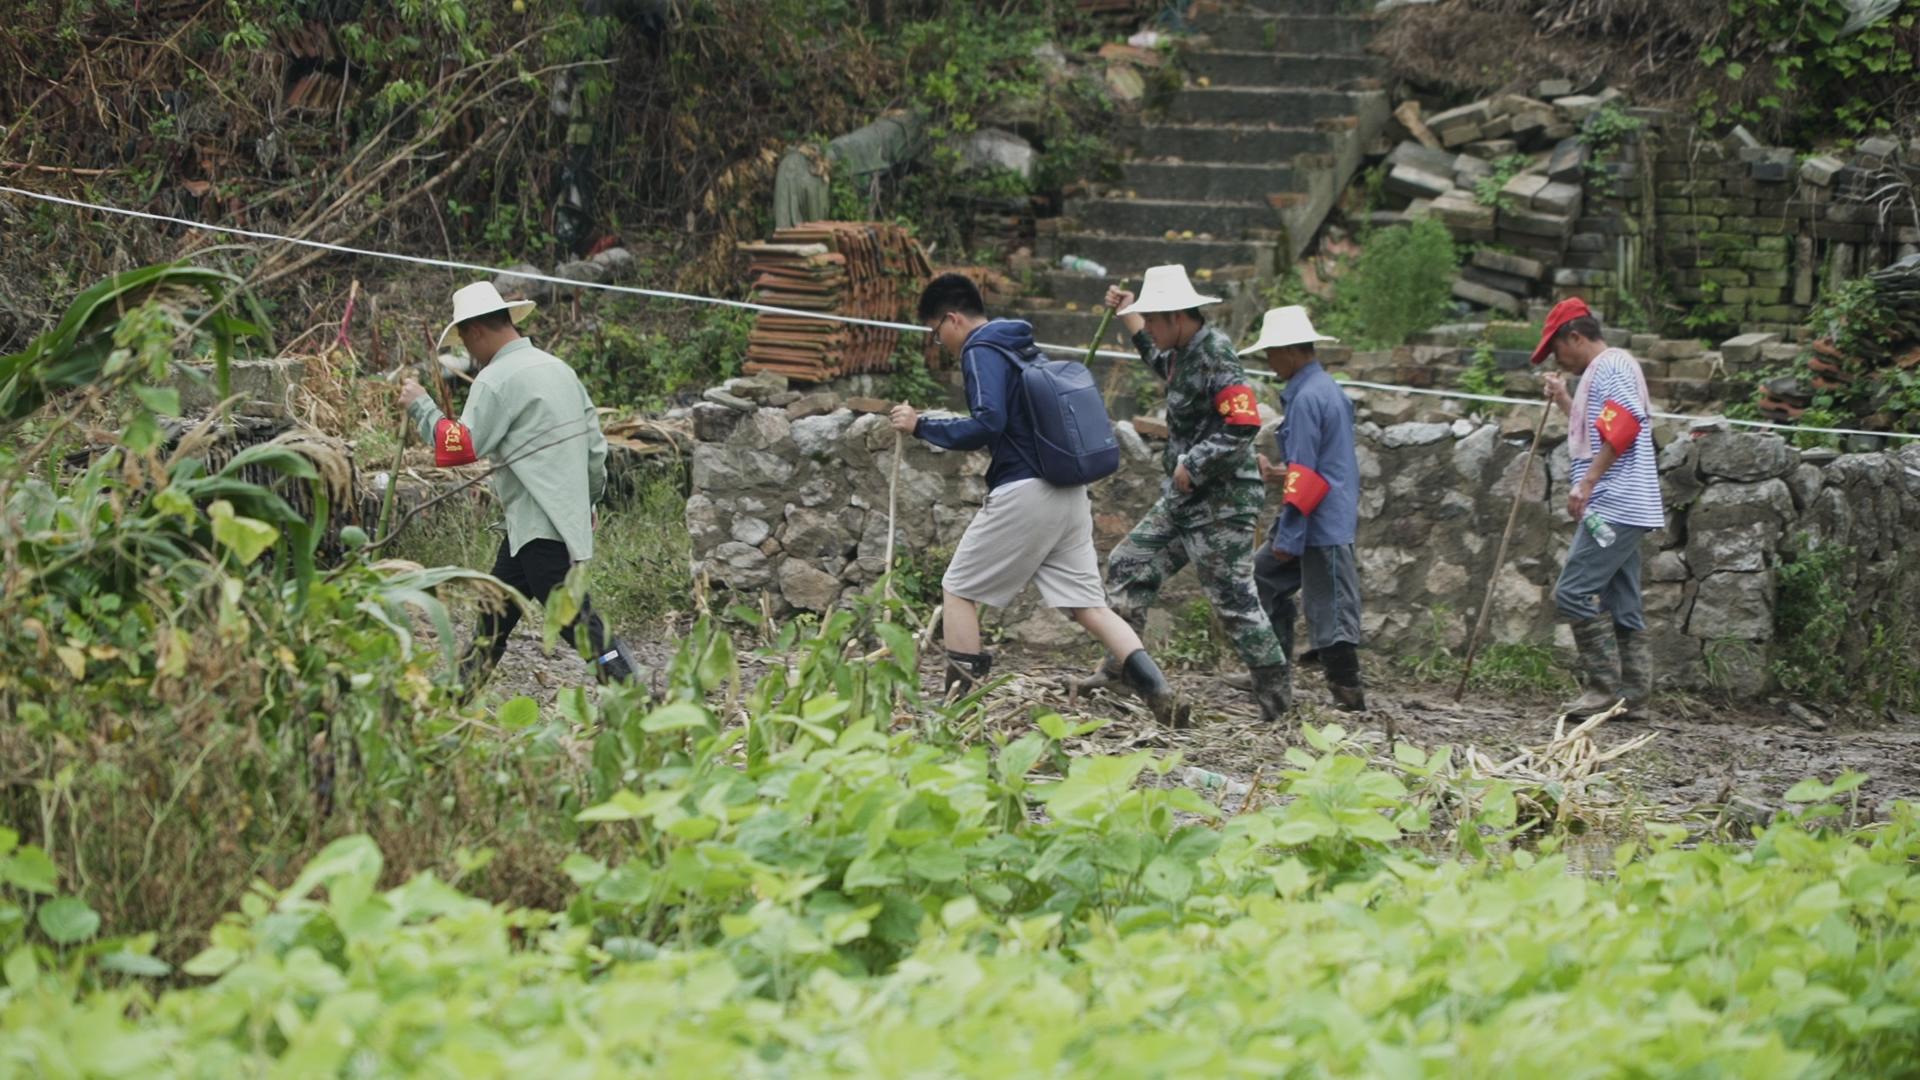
{"x":1210,"y":502}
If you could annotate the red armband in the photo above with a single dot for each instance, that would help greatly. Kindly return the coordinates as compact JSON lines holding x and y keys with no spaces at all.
{"x":1305,"y":488}
{"x":452,"y":444}
{"x":1617,"y":426}
{"x":1238,"y":406}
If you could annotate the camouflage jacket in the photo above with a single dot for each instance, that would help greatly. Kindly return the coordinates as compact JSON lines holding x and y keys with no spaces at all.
{"x":1213,"y":415}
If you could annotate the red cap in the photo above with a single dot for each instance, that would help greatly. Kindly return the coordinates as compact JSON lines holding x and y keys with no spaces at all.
{"x":1563,"y":313}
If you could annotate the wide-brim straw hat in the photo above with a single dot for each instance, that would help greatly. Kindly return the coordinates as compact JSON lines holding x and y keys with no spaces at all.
{"x":1166,"y":288}
{"x":1285,"y":326}
{"x":481,"y":298}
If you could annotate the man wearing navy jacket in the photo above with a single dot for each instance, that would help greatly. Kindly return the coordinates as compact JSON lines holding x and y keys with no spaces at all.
{"x":1309,"y":550}
{"x":1028,"y":530}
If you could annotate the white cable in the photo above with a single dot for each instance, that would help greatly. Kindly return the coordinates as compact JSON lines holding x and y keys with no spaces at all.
{"x":746,"y":305}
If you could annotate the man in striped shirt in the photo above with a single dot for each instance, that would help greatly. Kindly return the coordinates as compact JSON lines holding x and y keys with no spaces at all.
{"x":1614,"y":502}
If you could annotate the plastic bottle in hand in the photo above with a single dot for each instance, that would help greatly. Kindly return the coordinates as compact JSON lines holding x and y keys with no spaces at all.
{"x":1603,"y":533}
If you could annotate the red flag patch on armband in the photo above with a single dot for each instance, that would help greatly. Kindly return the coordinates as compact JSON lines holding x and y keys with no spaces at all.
{"x":1238,"y":405}
{"x":1618,"y":426}
{"x":452,"y":444}
{"x":1305,"y":488}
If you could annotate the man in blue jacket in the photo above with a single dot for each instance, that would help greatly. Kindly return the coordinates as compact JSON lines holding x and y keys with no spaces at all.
{"x":1028,"y":530}
{"x":1309,"y":550}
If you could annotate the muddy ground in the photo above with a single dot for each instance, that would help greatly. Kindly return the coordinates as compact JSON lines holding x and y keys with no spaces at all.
{"x":1704,"y":756}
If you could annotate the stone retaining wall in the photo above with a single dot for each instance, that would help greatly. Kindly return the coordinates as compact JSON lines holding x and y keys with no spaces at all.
{"x":794,"y":506}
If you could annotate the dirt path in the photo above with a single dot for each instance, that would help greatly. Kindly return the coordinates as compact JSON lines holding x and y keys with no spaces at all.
{"x":1703,"y":755}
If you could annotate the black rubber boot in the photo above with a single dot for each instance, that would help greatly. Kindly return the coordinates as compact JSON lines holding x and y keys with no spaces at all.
{"x":1636,"y":667}
{"x":1273,"y":689}
{"x":965,"y":671}
{"x":616,"y":664}
{"x":1342,"y":663}
{"x":1145,"y":678}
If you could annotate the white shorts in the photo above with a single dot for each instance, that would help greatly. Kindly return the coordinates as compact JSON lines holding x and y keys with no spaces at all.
{"x":1029,"y":531}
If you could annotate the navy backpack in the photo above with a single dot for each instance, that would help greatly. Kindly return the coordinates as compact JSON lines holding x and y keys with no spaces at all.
{"x":1071,"y":428}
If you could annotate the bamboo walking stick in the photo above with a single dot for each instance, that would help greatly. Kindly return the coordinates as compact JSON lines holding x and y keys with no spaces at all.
{"x":1500,"y":557}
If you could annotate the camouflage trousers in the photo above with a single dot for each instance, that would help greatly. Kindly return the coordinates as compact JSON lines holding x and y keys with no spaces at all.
{"x":1219,"y":544}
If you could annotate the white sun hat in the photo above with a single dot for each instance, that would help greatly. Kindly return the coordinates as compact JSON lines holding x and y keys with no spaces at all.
{"x":1285,"y":326}
{"x":1166,"y":288}
{"x":481,"y":298}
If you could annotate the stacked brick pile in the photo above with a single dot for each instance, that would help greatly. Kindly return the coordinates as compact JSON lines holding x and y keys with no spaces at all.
{"x":862,"y":269}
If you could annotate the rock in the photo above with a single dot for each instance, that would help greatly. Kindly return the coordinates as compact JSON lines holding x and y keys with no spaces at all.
{"x":718,"y":396}
{"x":1536,"y":223}
{"x":1445,"y":579}
{"x":1502,"y":262}
{"x":807,"y":587}
{"x":1740,"y":548}
{"x":1521,"y":189}
{"x":704,"y":522}
{"x":1428,"y":160}
{"x":1878,"y":150}
{"x":512,"y":285}
{"x":739,"y":566}
{"x":818,"y":437}
{"x":1132,"y":446}
{"x":1475,"y":293}
{"x":1416,"y":183}
{"x":815,"y":404}
{"x":865,"y":406}
{"x":989,"y":149}
{"x":615,"y":261}
{"x":822,"y":535}
{"x":1820,"y":171}
{"x":582,"y":270}
{"x":762,"y":429}
{"x":1558,"y":198}
{"x":713,"y":422}
{"x":1400,"y":435}
{"x":1517,"y":287}
{"x":1805,"y":483}
{"x":1766,"y":504}
{"x":1733,"y":605}
{"x":760,"y":389}
{"x":1408,"y":113}
{"x":1667,"y":566}
{"x":1746,"y":347}
{"x":1454,"y":120}
{"x":1744,"y":139}
{"x":1473,"y":453}
{"x":1149,"y":428}
{"x":1578,"y":107}
{"x":750,"y":530}
{"x":1553,"y":88}
{"x":1771,"y":166}
{"x":726,"y":469}
{"x":1568,"y":164}
{"x":1746,"y":456}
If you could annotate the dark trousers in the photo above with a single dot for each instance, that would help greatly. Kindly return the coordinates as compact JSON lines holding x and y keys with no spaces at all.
{"x":1327,"y":579}
{"x":539,"y":568}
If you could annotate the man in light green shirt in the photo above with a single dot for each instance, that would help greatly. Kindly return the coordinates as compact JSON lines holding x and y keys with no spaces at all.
{"x":530,"y":418}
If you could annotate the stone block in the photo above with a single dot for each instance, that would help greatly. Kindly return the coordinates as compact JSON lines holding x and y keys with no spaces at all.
{"x":1417,"y":183}
{"x":1536,"y":223}
{"x":1571,"y":277}
{"x":1589,"y":242}
{"x":1508,"y":263}
{"x":1422,"y":158}
{"x":1821,"y":171}
{"x":1486,"y":297}
{"x":1553,"y":88}
{"x":1773,"y":168}
{"x":1558,"y":198}
{"x":1733,"y":605}
{"x":1489,"y":149}
{"x":1494,"y":279}
{"x":815,"y":404}
{"x":1745,"y":457}
{"x":1462,"y":136}
{"x":1521,"y":189}
{"x":1878,"y":150}
{"x":1469,"y":115}
{"x":1568,"y":163}
{"x":1459,"y":211}
{"x":1578,"y":107}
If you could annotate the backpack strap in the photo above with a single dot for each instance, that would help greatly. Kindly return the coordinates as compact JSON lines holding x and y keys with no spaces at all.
{"x":1020,"y":366}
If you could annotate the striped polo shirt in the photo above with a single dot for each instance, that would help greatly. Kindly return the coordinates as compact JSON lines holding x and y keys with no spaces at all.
{"x":1629,"y":492}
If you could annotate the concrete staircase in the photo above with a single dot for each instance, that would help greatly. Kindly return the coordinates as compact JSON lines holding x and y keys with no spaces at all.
{"x":1242,"y":164}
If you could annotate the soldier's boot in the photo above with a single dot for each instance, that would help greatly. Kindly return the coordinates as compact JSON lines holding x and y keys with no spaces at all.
{"x":1595,"y":667}
{"x":1273,"y":689}
{"x":616,"y":664}
{"x":1636,"y":667}
{"x":1145,"y":678}
{"x":1342,"y":663}
{"x":1112,"y":672}
{"x":966,"y":671}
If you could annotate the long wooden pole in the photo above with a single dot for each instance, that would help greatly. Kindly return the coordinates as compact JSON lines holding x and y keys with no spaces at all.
{"x":1500,"y":557}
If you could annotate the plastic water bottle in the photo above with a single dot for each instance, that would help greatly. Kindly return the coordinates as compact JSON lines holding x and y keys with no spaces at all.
{"x":1212,"y":781}
{"x":1603,"y":533}
{"x":1074,"y":264}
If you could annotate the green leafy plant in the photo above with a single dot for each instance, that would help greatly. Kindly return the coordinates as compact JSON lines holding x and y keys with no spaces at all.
{"x":1196,"y":641}
{"x":1401,"y":282}
{"x":1486,"y":190}
{"x":1482,"y":376}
